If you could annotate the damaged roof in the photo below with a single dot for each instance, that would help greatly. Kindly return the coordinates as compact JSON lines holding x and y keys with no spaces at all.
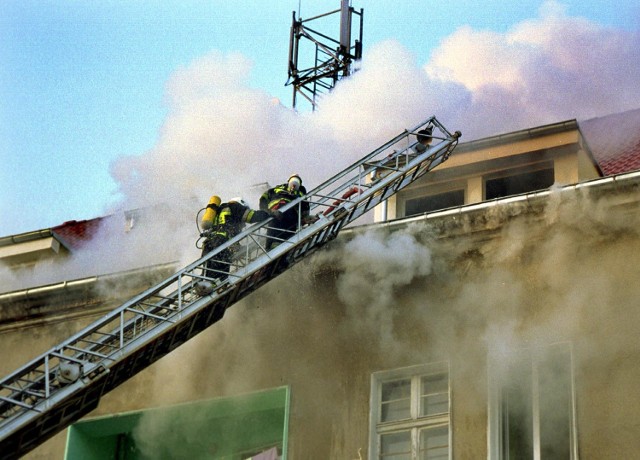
{"x":75,"y":233}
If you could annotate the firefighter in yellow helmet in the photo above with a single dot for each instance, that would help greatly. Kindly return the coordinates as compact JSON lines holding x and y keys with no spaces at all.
{"x":221,"y":222}
{"x":278,"y":196}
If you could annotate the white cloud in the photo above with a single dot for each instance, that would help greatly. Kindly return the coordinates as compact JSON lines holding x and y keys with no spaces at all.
{"x":543,"y":70}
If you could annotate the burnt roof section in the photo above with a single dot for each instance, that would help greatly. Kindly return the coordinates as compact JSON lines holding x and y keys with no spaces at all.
{"x":74,"y":234}
{"x":614,"y":141}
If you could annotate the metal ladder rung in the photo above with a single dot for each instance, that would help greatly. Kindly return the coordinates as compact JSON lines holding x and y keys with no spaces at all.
{"x":150,"y":315}
{"x":24,"y":390}
{"x":81,"y":350}
{"x":19,"y":403}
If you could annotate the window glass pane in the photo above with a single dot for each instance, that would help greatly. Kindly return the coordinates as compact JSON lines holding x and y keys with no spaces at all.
{"x":517,"y":412}
{"x":396,"y":400}
{"x":537,"y":398}
{"x":396,"y":446}
{"x":555,"y":404}
{"x":434,"y":202}
{"x":434,"y":444}
{"x":434,"y":394}
{"x":518,"y":183}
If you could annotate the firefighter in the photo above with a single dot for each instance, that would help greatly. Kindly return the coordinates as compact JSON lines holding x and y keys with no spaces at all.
{"x":278,"y":196}
{"x":221,"y":222}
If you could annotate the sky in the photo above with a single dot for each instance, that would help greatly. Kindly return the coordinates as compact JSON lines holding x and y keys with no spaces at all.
{"x":107,"y":106}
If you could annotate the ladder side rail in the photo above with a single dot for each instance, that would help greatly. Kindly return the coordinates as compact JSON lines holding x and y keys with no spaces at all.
{"x":113,"y":341}
{"x":31,"y":375}
{"x":395,"y":182}
{"x":373,"y":154}
{"x":352,"y":210}
{"x":359,"y":167}
{"x":373,"y":197}
{"x":388,"y":181}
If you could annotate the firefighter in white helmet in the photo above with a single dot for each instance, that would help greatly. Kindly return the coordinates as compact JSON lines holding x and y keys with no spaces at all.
{"x":278,"y":196}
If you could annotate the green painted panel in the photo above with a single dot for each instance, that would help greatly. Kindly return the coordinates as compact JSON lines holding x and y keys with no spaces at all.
{"x":223,"y":428}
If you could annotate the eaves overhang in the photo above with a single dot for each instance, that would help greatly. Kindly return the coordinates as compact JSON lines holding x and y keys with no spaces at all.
{"x":78,"y":297}
{"x":31,"y":246}
{"x":517,"y":136}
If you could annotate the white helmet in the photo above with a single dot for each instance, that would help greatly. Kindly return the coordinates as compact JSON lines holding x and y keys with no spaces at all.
{"x":239,"y":200}
{"x":294,"y":182}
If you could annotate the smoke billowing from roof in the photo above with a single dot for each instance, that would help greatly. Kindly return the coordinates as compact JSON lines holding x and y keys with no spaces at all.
{"x":222,"y":136}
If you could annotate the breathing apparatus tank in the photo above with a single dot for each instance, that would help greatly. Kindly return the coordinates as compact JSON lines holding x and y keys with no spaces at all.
{"x":210,"y":212}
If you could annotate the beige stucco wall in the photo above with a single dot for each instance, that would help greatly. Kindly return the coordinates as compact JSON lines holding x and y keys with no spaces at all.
{"x":451,"y":289}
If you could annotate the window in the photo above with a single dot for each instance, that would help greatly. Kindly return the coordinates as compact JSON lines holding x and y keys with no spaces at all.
{"x":410,"y":413}
{"x":532,"y":413}
{"x":434,"y":202}
{"x":515,"y":184}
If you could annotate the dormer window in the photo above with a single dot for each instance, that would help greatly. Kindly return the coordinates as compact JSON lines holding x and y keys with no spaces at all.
{"x":515,"y":182}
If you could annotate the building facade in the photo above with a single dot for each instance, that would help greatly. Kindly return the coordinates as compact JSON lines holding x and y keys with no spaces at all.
{"x":489,"y":312}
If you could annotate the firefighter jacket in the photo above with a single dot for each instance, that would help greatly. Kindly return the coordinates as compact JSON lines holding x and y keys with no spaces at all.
{"x":232,"y":217}
{"x":280,"y":195}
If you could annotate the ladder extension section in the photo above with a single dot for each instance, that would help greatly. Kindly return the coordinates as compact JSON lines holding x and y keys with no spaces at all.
{"x":62,"y":385}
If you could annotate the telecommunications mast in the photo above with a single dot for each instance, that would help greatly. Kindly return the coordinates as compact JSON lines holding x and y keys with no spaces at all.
{"x":332,"y":58}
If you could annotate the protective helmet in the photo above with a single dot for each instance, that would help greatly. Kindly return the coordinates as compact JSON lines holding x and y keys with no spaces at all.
{"x":424,"y":136}
{"x":239,"y":200}
{"x":296,"y":176}
{"x":294,"y":182}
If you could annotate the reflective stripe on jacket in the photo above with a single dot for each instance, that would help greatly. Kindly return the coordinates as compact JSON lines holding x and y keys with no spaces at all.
{"x":280,"y":195}
{"x":232,"y":217}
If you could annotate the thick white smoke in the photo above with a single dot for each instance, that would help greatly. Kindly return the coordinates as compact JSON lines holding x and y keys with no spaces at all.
{"x":375,"y":266}
{"x":222,"y":136}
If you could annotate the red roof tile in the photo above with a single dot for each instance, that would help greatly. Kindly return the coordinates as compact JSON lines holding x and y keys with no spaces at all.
{"x":75,"y":233}
{"x":614,"y":141}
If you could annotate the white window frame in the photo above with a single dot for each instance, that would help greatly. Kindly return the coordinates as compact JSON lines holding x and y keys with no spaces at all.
{"x":495,"y":435}
{"x":415,"y":423}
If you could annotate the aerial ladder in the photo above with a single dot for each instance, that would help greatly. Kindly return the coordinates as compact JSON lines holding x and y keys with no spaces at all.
{"x":62,"y":385}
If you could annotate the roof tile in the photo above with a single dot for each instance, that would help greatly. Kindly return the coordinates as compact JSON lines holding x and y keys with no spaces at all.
{"x":614,"y":141}
{"x":75,"y":233}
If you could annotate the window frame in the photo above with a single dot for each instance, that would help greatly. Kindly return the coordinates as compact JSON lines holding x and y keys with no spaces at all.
{"x":416,"y":424}
{"x":431,"y":196}
{"x":495,"y":414}
{"x":510,"y":173}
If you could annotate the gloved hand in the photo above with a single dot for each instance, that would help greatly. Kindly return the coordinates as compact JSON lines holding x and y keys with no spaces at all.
{"x":277,"y":215}
{"x":308,"y":220}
